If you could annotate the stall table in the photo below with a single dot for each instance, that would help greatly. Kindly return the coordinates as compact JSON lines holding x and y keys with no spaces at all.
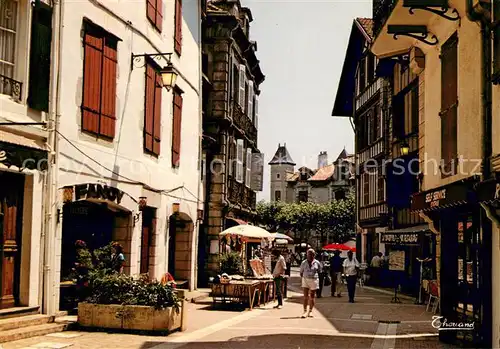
{"x":236,"y":292}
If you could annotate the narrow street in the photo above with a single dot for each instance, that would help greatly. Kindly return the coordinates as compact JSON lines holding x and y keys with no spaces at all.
{"x":371,"y":322}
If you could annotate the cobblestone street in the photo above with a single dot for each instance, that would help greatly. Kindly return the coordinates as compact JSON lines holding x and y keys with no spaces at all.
{"x":371,"y":322}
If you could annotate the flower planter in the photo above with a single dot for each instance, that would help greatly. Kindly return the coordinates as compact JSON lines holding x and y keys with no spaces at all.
{"x":131,"y":317}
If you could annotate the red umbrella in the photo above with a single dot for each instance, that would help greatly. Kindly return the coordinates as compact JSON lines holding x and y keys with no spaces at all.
{"x":340,"y":247}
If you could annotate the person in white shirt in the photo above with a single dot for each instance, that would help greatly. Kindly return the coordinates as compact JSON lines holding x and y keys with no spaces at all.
{"x":279,"y":277}
{"x":351,"y":267}
{"x":309,"y":272}
{"x":375,"y":265}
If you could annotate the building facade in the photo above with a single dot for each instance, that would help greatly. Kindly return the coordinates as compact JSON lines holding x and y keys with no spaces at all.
{"x":128,"y":146}
{"x":26,"y":116}
{"x":326,"y":183}
{"x":232,"y":79}
{"x":449,"y":45}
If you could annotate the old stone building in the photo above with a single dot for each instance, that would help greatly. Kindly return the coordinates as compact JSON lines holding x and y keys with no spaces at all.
{"x":232,"y":77}
{"x":327,"y":183}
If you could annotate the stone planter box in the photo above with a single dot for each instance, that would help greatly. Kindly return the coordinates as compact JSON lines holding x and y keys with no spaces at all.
{"x":131,"y":317}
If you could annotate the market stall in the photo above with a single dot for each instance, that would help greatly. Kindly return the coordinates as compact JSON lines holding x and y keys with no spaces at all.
{"x":255,"y":284}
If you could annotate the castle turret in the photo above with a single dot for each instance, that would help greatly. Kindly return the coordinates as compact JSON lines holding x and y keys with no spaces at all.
{"x":281,"y":165}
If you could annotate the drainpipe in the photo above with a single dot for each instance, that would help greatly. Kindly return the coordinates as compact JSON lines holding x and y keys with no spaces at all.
{"x":50,"y":204}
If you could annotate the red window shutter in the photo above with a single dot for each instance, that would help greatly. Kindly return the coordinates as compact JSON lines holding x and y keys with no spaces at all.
{"x":159,"y":15}
{"x":149,"y":108}
{"x":176,"y":129}
{"x":92,"y":83}
{"x":157,"y":115}
{"x":178,"y":27}
{"x":151,"y":10}
{"x":108,"y":92}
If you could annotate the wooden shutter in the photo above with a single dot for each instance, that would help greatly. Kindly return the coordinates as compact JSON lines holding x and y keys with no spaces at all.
{"x":256,"y":113}
{"x":366,"y":188}
{"x":41,"y":38}
{"x":231,"y":157}
{"x":250,"y":100}
{"x":449,"y":101}
{"x":248,"y":167}
{"x":239,"y":160}
{"x":178,"y":27}
{"x":159,"y":15}
{"x":380,"y":185}
{"x":108,"y":90}
{"x":151,"y":10}
{"x":242,"y":81}
{"x":414,"y":108}
{"x":149,"y":108}
{"x":92,"y":68}
{"x":398,"y":115}
{"x":176,"y":129}
{"x":157,"y":114}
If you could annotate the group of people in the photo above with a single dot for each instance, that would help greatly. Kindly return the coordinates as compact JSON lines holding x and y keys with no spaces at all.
{"x":312,"y":273}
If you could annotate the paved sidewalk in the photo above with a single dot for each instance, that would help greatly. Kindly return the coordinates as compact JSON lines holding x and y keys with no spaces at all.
{"x":372,"y":322}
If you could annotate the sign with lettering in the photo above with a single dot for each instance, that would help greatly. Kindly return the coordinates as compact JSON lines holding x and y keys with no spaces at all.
{"x":92,"y":191}
{"x":456,"y":193}
{"x":433,"y":198}
{"x":400,"y":238}
{"x":23,"y":157}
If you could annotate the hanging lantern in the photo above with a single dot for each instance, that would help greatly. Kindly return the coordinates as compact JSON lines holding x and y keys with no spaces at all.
{"x":143,"y":202}
{"x":176,"y":207}
{"x":200,"y":214}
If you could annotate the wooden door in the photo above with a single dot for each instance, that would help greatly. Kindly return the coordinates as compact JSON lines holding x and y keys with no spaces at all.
{"x":148,"y":230}
{"x":10,"y":238}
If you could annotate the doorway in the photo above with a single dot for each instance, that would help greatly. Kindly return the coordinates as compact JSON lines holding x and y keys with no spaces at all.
{"x":11,"y":208}
{"x":148,"y":230}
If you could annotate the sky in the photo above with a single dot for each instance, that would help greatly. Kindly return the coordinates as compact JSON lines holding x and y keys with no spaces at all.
{"x":301,"y":47}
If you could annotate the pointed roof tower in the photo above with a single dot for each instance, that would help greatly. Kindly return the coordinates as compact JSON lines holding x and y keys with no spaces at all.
{"x":343,"y":155}
{"x":282,"y":157}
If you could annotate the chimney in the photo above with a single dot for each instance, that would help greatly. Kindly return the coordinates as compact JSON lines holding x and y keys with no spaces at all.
{"x":322,"y":159}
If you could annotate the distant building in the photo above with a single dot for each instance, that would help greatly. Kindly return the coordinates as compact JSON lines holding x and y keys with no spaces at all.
{"x":327,"y":183}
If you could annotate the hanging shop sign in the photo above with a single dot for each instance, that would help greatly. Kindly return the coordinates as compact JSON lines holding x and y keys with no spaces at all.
{"x":23,"y":157}
{"x":92,"y":191}
{"x":489,"y":191}
{"x":454,"y":194}
{"x":400,"y":238}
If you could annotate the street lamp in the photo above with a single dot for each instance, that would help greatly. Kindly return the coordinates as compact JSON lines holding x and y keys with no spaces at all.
{"x":169,"y":76}
{"x":168,"y":73}
{"x":404,"y":148}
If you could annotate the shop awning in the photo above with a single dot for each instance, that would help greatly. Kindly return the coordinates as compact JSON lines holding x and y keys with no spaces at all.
{"x":451,"y":195}
{"x":404,"y":236}
{"x":22,"y":152}
{"x":237,"y":221}
{"x":248,"y":231}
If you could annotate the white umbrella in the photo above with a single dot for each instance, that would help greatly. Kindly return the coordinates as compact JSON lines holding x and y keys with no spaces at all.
{"x":249,"y":231}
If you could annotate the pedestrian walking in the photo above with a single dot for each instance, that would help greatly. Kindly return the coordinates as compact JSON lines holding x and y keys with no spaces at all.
{"x":322,"y":276}
{"x":336,"y":274}
{"x":376,"y":265}
{"x":351,"y":267}
{"x":309,"y":272}
{"x":279,"y":277}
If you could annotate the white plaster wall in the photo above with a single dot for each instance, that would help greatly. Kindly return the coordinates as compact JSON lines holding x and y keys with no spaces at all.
{"x":124,"y":155}
{"x":469,"y":96}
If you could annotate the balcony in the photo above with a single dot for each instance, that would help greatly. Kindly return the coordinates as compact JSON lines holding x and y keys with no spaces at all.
{"x":371,"y":151}
{"x":368,"y":93}
{"x":11,"y":87}
{"x":373,"y":212}
{"x":238,"y":193}
{"x":244,"y":124}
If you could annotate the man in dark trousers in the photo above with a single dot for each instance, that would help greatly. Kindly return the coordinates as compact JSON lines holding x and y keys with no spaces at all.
{"x":336,"y":274}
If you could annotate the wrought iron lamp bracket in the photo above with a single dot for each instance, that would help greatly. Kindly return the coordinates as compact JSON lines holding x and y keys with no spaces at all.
{"x":440,"y":12}
{"x":420,"y":37}
{"x":156,"y":56}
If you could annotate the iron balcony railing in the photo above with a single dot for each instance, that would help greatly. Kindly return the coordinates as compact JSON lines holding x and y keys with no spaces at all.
{"x":238,"y":193}
{"x":244,"y":123}
{"x":381,"y":11}
{"x":11,"y":87}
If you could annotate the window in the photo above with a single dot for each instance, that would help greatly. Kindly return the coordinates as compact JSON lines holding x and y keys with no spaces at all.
{"x":248,"y":174}
{"x":239,"y":160}
{"x":8,"y":37}
{"x":406,"y":111}
{"x":278,"y":176}
{"x":178,"y":27}
{"x":99,"y":81}
{"x":242,"y":85}
{"x":152,"y":113}
{"x":250,"y":100}
{"x":277,"y":195}
{"x":176,"y":127}
{"x":232,"y":157}
{"x":235,"y":86}
{"x":366,"y":189}
{"x":41,"y":38}
{"x":362,"y":75}
{"x":303,"y":196}
{"x":371,"y":68}
{"x":449,"y":103}
{"x":340,"y":195}
{"x":154,"y":12}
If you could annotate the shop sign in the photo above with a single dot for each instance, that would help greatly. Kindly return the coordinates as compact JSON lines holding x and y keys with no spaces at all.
{"x":92,"y":191}
{"x":434,"y":198}
{"x":23,"y":157}
{"x":400,"y":238}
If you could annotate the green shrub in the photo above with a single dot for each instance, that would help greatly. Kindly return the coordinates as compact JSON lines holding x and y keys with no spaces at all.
{"x":231,"y":263}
